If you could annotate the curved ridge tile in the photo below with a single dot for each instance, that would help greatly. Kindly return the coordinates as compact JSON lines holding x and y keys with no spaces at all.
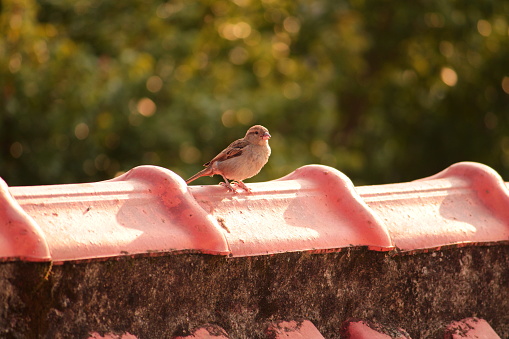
{"x":314,"y":208}
{"x":465,"y":203}
{"x":20,"y":236}
{"x":146,"y":210}
{"x":485,"y":181}
{"x":337,"y":191}
{"x":181,"y":208}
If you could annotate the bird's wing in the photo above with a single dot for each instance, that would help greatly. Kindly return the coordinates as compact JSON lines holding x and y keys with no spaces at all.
{"x":233,"y":150}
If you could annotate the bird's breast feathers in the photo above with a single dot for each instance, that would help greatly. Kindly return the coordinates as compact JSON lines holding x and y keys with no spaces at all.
{"x":246,"y":165}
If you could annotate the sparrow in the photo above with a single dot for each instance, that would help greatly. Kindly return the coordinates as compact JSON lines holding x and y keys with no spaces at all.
{"x":242,"y":159}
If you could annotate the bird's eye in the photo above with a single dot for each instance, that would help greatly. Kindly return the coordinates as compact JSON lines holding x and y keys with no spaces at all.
{"x":256,"y":132}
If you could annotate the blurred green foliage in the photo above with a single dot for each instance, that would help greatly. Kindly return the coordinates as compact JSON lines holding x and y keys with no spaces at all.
{"x":383,"y":91}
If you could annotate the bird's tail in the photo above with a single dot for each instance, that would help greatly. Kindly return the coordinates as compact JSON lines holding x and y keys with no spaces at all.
{"x":203,"y":173}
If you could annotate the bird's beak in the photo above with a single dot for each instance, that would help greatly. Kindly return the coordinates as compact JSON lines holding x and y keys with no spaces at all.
{"x":266,"y":136}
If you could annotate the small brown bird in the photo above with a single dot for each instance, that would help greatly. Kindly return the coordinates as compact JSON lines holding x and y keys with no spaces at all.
{"x":242,"y":159}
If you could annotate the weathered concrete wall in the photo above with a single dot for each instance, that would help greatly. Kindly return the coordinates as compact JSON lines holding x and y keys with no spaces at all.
{"x":162,"y":296}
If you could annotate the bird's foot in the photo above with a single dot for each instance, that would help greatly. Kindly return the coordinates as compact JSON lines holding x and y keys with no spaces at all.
{"x":228,"y":186}
{"x":243,"y":186}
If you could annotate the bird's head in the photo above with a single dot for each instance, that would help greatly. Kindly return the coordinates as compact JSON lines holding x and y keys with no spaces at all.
{"x":258,"y":135}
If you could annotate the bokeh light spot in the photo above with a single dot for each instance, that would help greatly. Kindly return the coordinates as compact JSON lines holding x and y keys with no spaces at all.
{"x":154,"y":84}
{"x":449,"y":76}
{"x":244,"y":116}
{"x":505,"y":84}
{"x":262,"y":68}
{"x":16,"y":149}
{"x":484,"y":28}
{"x":228,"y":118}
{"x":291,"y":90}
{"x":238,"y":55}
{"x":189,"y":154}
{"x":291,"y":25}
{"x":81,"y":131}
{"x":146,"y":107}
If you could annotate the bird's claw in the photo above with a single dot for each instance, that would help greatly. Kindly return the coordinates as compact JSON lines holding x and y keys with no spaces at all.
{"x":239,"y":184}
{"x":243,"y":186}
{"x":228,"y":186}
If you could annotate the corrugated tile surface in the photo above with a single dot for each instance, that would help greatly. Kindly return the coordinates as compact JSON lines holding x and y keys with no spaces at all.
{"x":466,"y":203}
{"x":315,"y":208}
{"x":146,"y":210}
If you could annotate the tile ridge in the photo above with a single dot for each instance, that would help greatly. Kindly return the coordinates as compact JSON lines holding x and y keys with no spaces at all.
{"x":315,"y":208}
{"x":465,"y":204}
{"x":174,"y":192}
{"x":20,"y":236}
{"x":341,"y":188}
{"x":488,"y":184}
{"x":148,"y":210}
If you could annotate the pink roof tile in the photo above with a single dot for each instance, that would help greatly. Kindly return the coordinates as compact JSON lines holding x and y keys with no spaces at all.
{"x":315,"y":208}
{"x":293,"y":330}
{"x":362,"y":329}
{"x":466,"y":203}
{"x":146,"y":210}
{"x":470,"y":328}
{"x":206,"y":332}
{"x":20,"y":236}
{"x":96,"y":335}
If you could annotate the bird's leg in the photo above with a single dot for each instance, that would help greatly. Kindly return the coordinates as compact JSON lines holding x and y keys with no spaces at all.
{"x":226,"y":184}
{"x":243,"y":186}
